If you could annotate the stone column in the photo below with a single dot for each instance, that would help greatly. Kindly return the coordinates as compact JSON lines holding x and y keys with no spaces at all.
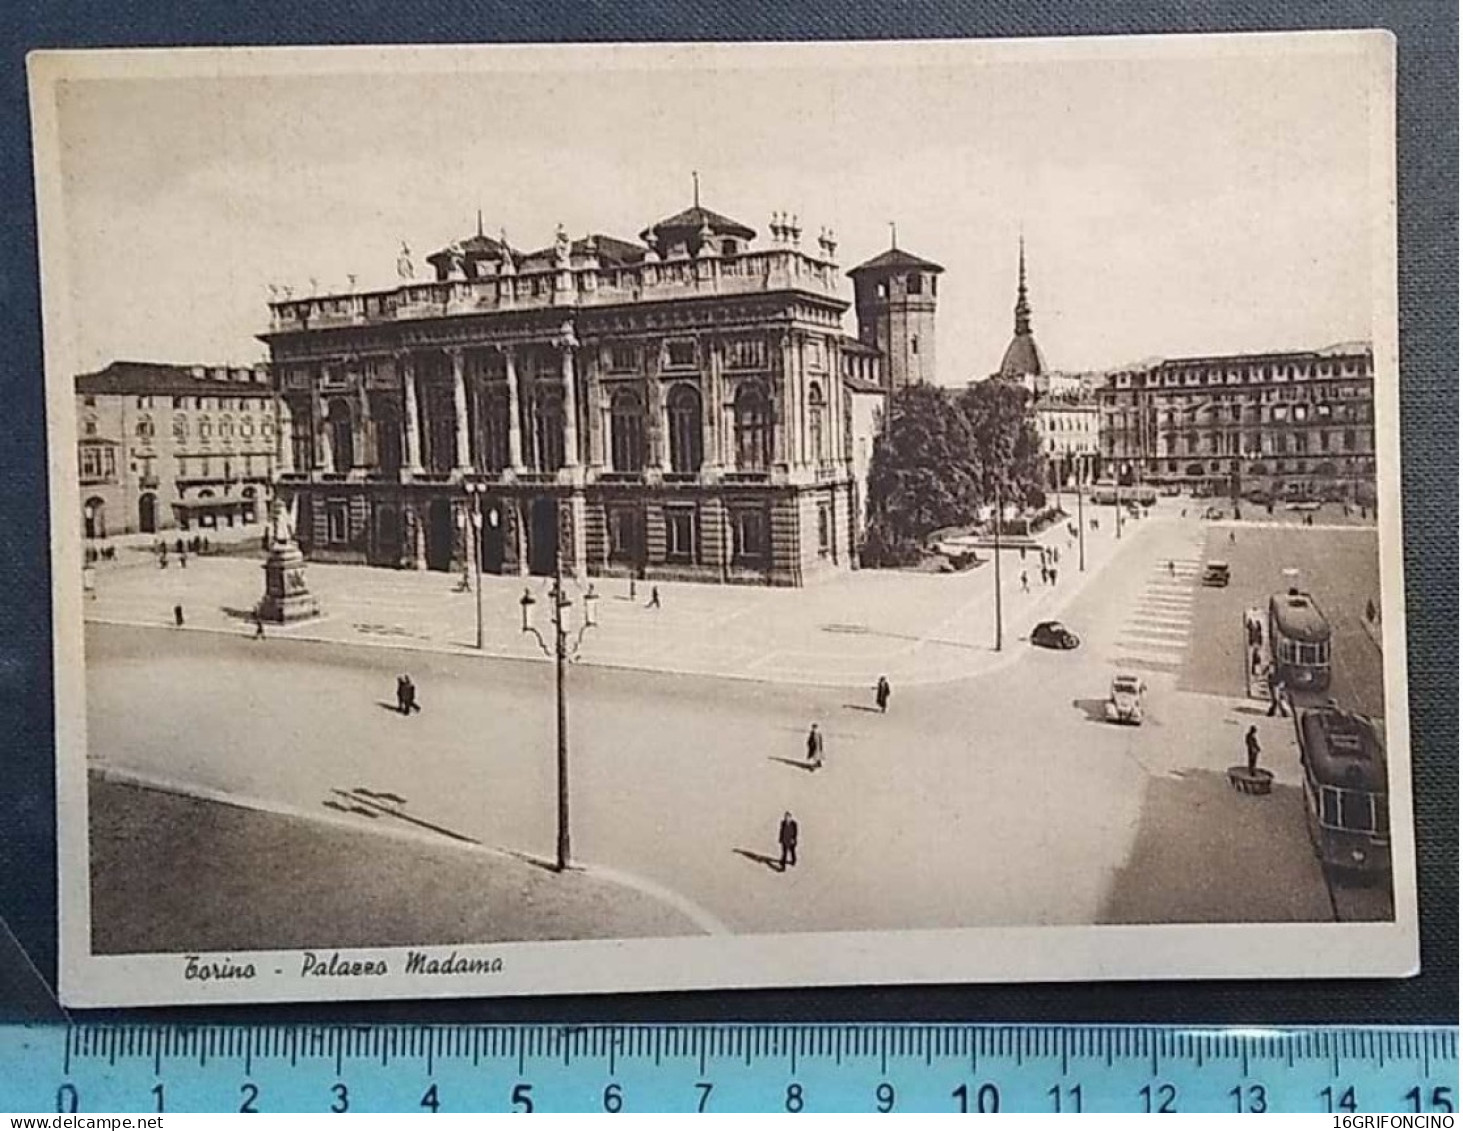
{"x":594,"y":409}
{"x":463,"y":461}
{"x":660,"y":432}
{"x":571,"y":399}
{"x":785,"y":449}
{"x":411,"y":422}
{"x":515,"y":420}
{"x":713,"y":455}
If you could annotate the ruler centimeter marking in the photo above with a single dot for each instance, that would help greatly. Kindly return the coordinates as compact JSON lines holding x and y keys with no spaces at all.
{"x":740,"y":1067}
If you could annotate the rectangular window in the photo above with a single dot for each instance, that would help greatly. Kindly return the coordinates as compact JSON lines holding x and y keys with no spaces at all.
{"x":749,"y":536}
{"x":337,"y":522}
{"x":624,"y":359}
{"x":680,"y":534}
{"x":91,"y":463}
{"x":681,"y":355}
{"x":746,"y":353}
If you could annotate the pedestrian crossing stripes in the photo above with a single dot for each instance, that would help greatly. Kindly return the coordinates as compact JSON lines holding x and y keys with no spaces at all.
{"x":1156,"y":630}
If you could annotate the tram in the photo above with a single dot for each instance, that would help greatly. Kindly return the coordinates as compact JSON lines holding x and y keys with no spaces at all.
{"x":1344,"y":762}
{"x":1300,"y":642}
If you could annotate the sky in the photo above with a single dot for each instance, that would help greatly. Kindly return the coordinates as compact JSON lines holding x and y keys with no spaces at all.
{"x":1209,"y":199}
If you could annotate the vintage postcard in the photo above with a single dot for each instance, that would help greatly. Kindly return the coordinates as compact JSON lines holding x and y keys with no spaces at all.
{"x":605,"y":518}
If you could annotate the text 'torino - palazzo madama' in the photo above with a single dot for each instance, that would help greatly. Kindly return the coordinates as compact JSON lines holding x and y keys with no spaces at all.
{"x":686,"y":406}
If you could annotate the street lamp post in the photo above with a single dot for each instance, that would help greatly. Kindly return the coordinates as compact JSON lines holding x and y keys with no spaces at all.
{"x":998,"y":564}
{"x":475,"y":492}
{"x":1081,"y":524}
{"x":562,"y":651}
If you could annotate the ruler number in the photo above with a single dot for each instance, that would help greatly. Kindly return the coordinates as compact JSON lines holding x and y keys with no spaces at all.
{"x":794,"y":1099}
{"x":1161,"y":1100}
{"x":1346,"y":1101}
{"x":523,"y":1097}
{"x":430,"y":1100}
{"x":1249,"y":1098}
{"x":614,"y":1098}
{"x":987,"y":1099}
{"x":1073,"y":1101}
{"x":1442,"y":1099}
{"x":68,"y":1099}
{"x":342,"y":1096}
{"x":884,"y":1095}
{"x":250,"y":1092}
{"x":157,"y":1091}
{"x":705,"y":1089}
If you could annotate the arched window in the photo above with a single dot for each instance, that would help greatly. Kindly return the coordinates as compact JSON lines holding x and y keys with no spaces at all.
{"x":493,"y":422}
{"x":817,"y":414}
{"x":753,"y":427}
{"x":684,"y":411}
{"x":548,"y":427}
{"x":627,"y":431}
{"x":342,"y":435}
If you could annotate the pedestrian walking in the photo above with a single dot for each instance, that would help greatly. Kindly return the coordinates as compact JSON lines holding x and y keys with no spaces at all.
{"x":1231,"y":537}
{"x":1254,"y":661}
{"x":1025,"y":583}
{"x":162,"y":558}
{"x":787,"y":840}
{"x":1252,"y":749}
{"x":815,"y":746}
{"x":881,"y":694}
{"x":178,"y":616}
{"x":1371,"y":610}
{"x":1277,"y":696}
{"x":1044,"y":574}
{"x":1054,"y":575}
{"x":178,"y":547}
{"x":654,"y":602}
{"x":406,"y":695}
{"x":183,"y":559}
{"x":1170,"y":567}
{"x":258,"y":624}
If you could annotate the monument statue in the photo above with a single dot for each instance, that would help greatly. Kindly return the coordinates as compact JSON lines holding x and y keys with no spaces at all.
{"x":287,"y":597}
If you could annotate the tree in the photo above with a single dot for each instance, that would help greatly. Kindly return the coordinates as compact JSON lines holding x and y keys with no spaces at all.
{"x":921,"y":476}
{"x":1005,"y":447}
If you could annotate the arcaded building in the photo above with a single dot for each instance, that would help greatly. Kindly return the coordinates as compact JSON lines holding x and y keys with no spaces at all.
{"x":1284,"y":424}
{"x":676,"y":406}
{"x":173,"y":447}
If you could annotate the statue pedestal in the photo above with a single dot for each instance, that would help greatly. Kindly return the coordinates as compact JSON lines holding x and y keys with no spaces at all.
{"x":287,"y":598}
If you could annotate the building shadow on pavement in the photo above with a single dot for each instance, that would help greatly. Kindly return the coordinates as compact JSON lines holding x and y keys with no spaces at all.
{"x":759,"y":858}
{"x":808,"y":767}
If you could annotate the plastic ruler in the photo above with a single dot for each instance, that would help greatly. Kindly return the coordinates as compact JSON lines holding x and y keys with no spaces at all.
{"x":738,"y":1067}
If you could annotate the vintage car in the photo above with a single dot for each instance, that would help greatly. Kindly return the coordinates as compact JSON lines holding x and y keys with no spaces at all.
{"x":1054,"y":634}
{"x":1216,"y":574}
{"x":1215,"y":513}
{"x":1125,"y":700}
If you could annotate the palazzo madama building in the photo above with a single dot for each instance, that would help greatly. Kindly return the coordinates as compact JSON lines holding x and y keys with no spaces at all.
{"x":683,"y":406}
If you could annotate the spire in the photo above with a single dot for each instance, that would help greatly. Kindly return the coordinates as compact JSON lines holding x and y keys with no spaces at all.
{"x":893,"y":235}
{"x":1023,"y":309}
{"x":695,"y":189}
{"x":480,"y":223}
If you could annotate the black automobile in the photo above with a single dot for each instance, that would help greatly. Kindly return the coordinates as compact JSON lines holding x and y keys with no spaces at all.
{"x":1054,"y":634}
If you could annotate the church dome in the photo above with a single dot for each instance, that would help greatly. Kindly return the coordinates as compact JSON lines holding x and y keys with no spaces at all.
{"x":1023,"y":356}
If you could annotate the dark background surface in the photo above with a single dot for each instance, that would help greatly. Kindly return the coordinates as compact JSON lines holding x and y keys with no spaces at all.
{"x":1427,"y":48}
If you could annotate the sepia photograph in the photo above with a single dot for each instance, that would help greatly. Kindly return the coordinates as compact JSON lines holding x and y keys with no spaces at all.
{"x":605,"y":518}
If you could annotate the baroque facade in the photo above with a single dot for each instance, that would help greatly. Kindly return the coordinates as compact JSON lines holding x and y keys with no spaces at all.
{"x":165,"y":447}
{"x":1284,"y":424}
{"x":677,"y":408}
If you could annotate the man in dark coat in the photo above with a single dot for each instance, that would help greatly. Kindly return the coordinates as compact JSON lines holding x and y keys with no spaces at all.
{"x":1252,"y":749}
{"x":881,"y":694}
{"x":815,"y":746}
{"x":787,"y":839}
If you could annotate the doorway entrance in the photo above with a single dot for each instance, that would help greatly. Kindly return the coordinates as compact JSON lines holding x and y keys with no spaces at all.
{"x":543,"y":537}
{"x":491,"y":543}
{"x":147,"y":514}
{"x":439,"y":534}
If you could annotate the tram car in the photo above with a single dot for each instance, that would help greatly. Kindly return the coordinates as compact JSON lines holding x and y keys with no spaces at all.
{"x":1300,"y":642}
{"x":1344,"y":761}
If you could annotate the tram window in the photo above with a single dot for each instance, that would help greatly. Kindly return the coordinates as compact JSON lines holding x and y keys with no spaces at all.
{"x":1379,"y":807}
{"x":1356,"y":810}
{"x":1323,"y":653}
{"x":1330,"y":807}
